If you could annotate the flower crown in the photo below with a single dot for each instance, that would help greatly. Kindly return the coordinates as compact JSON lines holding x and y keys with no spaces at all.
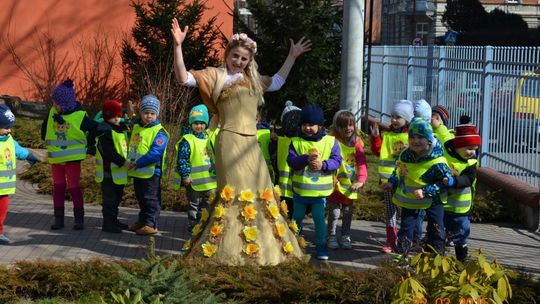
{"x":244,"y":37}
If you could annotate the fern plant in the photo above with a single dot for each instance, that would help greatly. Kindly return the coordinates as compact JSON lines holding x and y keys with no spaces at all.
{"x":432,"y":278}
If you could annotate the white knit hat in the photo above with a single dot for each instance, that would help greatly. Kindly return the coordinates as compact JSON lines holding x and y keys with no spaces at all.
{"x":289,"y":106}
{"x":422,"y":109}
{"x":403,"y":109}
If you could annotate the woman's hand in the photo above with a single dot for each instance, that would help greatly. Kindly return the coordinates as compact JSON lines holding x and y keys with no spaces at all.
{"x":303,"y":45}
{"x":178,"y":34}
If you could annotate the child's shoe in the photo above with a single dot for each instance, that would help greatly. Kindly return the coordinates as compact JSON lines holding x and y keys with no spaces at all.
{"x":121,"y":225}
{"x":332,"y":242}
{"x":110,"y":227}
{"x":136,"y":226}
{"x":346,"y":242}
{"x":387,"y":249}
{"x":4,"y":240}
{"x":322,"y":252}
{"x":146,"y":230}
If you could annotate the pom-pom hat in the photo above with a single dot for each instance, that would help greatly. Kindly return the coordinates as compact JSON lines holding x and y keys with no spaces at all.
{"x":289,"y":106}
{"x":7,"y":119}
{"x":64,"y":96}
{"x":111,"y":108}
{"x":466,"y":135}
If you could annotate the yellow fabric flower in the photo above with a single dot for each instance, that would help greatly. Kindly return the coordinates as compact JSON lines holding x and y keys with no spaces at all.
{"x":249,"y":212}
{"x":284,"y":208}
{"x":250,"y":233}
{"x":204,"y":215}
{"x":301,"y":242}
{"x":288,"y":248}
{"x":219,"y":211}
{"x":247,"y":196}
{"x":281,"y":229}
{"x":212,"y":196}
{"x":251,"y":248}
{"x":293,"y":226}
{"x":187,"y":245}
{"x":273,"y":210}
{"x":196,"y":229}
{"x":277,"y":190}
{"x":267,"y":195}
{"x":209,"y":249}
{"x":216,"y":230}
{"x":227,"y":193}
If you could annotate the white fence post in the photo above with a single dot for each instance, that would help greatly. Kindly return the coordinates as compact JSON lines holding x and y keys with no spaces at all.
{"x":441,"y":75}
{"x":486,"y":90}
{"x":384,"y":86}
{"x":410,"y":71}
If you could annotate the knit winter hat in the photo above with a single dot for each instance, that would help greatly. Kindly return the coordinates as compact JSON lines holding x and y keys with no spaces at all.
{"x":312,"y":114}
{"x":422,"y":109}
{"x":403,"y":109}
{"x":289,"y":106}
{"x":421,"y":127}
{"x":290,"y":123}
{"x":466,"y":135}
{"x":443,"y":113}
{"x":149,"y":103}
{"x":7,"y":119}
{"x":111,"y":108}
{"x":199,"y":113}
{"x":64,"y":96}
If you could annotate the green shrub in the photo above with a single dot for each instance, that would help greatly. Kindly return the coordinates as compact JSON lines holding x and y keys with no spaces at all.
{"x":27,"y":132}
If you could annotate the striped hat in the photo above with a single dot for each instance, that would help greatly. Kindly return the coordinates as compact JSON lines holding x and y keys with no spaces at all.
{"x":443,"y":113}
{"x":466,"y":136}
{"x":149,"y":103}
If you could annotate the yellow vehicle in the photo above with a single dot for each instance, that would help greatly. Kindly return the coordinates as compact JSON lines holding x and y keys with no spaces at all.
{"x":527,"y":97}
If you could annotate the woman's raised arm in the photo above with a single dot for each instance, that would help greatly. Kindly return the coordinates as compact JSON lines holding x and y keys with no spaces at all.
{"x":178,"y":35}
{"x":303,"y":45}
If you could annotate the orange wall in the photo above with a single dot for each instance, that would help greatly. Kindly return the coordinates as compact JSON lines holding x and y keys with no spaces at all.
{"x":67,"y":21}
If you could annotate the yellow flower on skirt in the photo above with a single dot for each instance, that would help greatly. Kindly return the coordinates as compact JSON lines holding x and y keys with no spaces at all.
{"x":247,"y":196}
{"x":216,"y":230}
{"x":196,"y":229}
{"x":251,"y":248}
{"x":219,"y":211}
{"x":288,"y":248}
{"x":293,"y":226}
{"x":284,"y":208}
{"x":204,"y":215}
{"x":273,"y":210}
{"x":267,"y":194}
{"x":187,"y":245}
{"x":249,"y":212}
{"x":227,"y":193}
{"x":280,"y":229}
{"x":209,"y":249}
{"x":301,"y":242}
{"x":250,"y":233}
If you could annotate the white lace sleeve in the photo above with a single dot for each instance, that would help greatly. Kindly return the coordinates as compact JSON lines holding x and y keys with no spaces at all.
{"x":277,"y":83}
{"x":190,"y":82}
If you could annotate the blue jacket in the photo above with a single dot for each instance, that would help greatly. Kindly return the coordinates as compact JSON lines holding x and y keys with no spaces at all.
{"x":155,"y":154}
{"x":20,"y":152}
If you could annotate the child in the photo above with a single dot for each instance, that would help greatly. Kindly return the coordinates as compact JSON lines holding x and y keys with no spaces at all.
{"x":64,"y":133}
{"x":439,"y":121}
{"x":351,"y":176}
{"x":146,"y":153}
{"x":194,"y":166}
{"x":267,"y":145}
{"x":111,"y":164}
{"x":388,"y":144}
{"x":290,"y":124}
{"x":9,"y":147}
{"x":417,"y":182}
{"x":461,"y":156}
{"x":314,"y":156}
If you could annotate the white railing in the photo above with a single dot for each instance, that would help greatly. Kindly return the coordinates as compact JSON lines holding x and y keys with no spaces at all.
{"x":498,"y":87}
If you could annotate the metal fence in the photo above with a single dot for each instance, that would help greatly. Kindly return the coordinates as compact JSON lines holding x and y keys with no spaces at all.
{"x":498,"y":87}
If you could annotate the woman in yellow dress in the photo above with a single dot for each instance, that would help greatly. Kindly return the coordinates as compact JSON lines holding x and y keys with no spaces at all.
{"x":245,"y":224}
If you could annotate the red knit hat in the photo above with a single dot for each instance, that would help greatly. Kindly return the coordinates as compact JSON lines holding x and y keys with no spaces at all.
{"x":443,"y":113}
{"x":466,"y":136}
{"x":111,"y":108}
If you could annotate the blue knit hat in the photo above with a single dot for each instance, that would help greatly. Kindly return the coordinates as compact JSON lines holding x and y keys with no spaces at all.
{"x":421,"y":127}
{"x":199,"y":113}
{"x":312,"y":114}
{"x":64,"y":96}
{"x":7,"y":119}
{"x":149,"y":103}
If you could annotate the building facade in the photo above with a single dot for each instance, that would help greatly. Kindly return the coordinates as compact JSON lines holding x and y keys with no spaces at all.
{"x":406,"y":22}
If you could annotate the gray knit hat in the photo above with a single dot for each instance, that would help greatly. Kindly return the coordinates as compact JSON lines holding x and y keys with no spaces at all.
{"x":289,"y":106}
{"x":149,"y":103}
{"x":403,"y":109}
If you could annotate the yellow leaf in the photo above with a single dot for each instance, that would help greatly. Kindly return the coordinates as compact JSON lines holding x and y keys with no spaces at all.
{"x":501,"y":289}
{"x":462,"y":277}
{"x":445,"y":265}
{"x":487,"y":269}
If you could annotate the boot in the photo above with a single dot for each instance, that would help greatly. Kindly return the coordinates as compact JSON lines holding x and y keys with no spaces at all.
{"x":58,"y":218}
{"x":78,"y":214}
{"x":462,"y":252}
{"x":110,"y":226}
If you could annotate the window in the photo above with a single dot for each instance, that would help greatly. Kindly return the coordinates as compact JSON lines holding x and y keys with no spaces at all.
{"x":422,"y":29}
{"x":512,"y":1}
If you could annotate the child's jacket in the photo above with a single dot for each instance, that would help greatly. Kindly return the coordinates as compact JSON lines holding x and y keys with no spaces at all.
{"x":11,"y":151}
{"x":388,"y":146}
{"x":147,"y":148}
{"x":461,"y":193}
{"x":112,"y":143}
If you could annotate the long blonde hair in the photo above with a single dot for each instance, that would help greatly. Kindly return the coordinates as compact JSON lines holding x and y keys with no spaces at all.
{"x":251,"y":71}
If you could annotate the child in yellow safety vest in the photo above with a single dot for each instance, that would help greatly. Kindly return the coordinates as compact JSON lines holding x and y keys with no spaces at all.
{"x":460,"y":153}
{"x":314,"y":157}
{"x":64,"y":131}
{"x":387,"y":144}
{"x":418,"y":185}
{"x":10,"y":151}
{"x":266,"y":138}
{"x":146,"y":154}
{"x":112,"y":163}
{"x":351,"y":176}
{"x":194,"y":168}
{"x":439,"y":122}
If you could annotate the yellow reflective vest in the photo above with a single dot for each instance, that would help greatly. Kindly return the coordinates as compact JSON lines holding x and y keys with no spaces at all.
{"x":139,"y":144}
{"x":8,"y":167}
{"x":285,"y":182}
{"x":202,"y":177}
{"x":264,"y":138}
{"x":65,"y":142}
{"x":459,"y":199}
{"x":347,"y":174}
{"x":392,"y":145}
{"x":119,"y":175}
{"x":409,"y":175}
{"x":310,"y":183}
